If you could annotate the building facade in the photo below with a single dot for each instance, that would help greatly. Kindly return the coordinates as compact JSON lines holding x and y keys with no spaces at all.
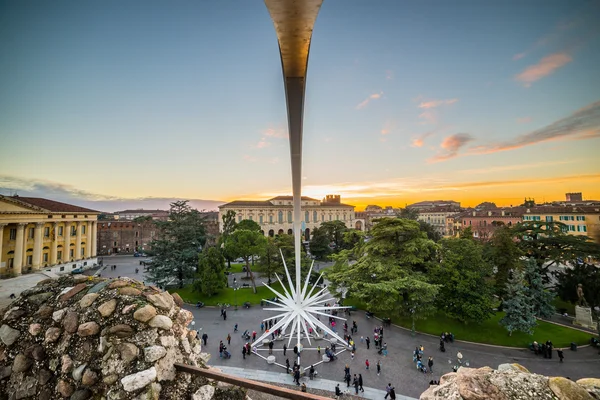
{"x":577,"y":220}
{"x":130,"y":215}
{"x":38,"y":233}
{"x":483,"y":223}
{"x":275,"y":215}
{"x":437,"y":217}
{"x":124,"y":236}
{"x":434,"y":203}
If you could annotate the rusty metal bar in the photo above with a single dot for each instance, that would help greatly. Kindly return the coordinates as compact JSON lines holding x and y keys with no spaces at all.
{"x":249,"y":384}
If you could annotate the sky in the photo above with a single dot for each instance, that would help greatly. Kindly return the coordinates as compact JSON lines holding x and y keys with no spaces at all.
{"x":406,"y":101}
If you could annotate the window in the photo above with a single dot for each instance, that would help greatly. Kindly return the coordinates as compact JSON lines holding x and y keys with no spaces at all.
{"x":322,"y":217}
{"x":29,"y":260}
{"x":151,"y":233}
{"x":13,"y":233}
{"x":115,"y":244}
{"x":136,"y":233}
{"x":60,"y":231}
{"x":82,"y":252}
{"x":73,"y":230}
{"x":289,"y":219}
{"x":280,"y":217}
{"x":115,"y":234}
{"x":31,"y":233}
{"x":47,"y":231}
{"x":83,"y":229}
{"x":330,"y":216}
{"x":71,"y":253}
{"x":572,"y":228}
{"x":549,"y":218}
{"x":315,"y":218}
{"x":260,"y":219}
{"x":59,"y":254}
{"x":62,"y":268}
{"x":45,"y":257}
{"x":251,"y":217}
{"x":581,"y":218}
{"x":581,"y":228}
{"x":239,"y":218}
{"x":306,"y":216}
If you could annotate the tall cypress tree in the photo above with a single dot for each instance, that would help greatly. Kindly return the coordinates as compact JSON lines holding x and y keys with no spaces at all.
{"x":541,"y":298}
{"x":517,"y":305}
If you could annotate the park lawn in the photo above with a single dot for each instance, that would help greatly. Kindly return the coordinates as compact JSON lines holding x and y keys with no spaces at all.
{"x":561,"y":304}
{"x":236,"y":268}
{"x":227,"y":295}
{"x":490,"y":331}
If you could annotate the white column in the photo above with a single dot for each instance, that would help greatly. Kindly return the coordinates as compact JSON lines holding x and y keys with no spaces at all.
{"x":2,"y":226}
{"x":66,"y":248}
{"x":88,"y":239}
{"x":94,"y":233}
{"x":37,"y":245}
{"x":18,"y":260}
{"x":54,"y":248}
{"x":78,"y":243}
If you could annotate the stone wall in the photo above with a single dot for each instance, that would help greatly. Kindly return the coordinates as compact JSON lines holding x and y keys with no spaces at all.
{"x":509,"y":382}
{"x":82,"y":337}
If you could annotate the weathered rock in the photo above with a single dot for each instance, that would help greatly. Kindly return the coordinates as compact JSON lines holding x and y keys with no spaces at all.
{"x":82,"y":394}
{"x":168,"y":341}
{"x":138,"y":380}
{"x":71,"y":293}
{"x":8,"y":335}
{"x":14,"y":313}
{"x":162,"y":300}
{"x":102,"y":344}
{"x":21,"y":363}
{"x":87,"y":300}
{"x":128,"y":352}
{"x":81,"y":278}
{"x":145,"y":313}
{"x":36,"y":352}
{"x":512,"y":367}
{"x":566,"y":389}
{"x":89,"y":378}
{"x":38,"y":299}
{"x":473,"y":385}
{"x":52,"y":334}
{"x":70,"y":322}
{"x":66,"y":364}
{"x":99,"y":286}
{"x":128,"y":308}
{"x":78,"y":372}
{"x":121,"y":331}
{"x":64,"y":388}
{"x":117,"y":284}
{"x":129,"y":291}
{"x":45,"y":394}
{"x":177,"y":299}
{"x":27,"y":388}
{"x":35,"y":329}
{"x":44,"y":376}
{"x":206,"y":392}
{"x":154,"y":353}
{"x":58,"y":314}
{"x":110,"y":379}
{"x":161,"y":322}
{"x":106,"y":309}
{"x":5,"y":372}
{"x":88,"y":329}
{"x":593,"y":382}
{"x":44,"y":312}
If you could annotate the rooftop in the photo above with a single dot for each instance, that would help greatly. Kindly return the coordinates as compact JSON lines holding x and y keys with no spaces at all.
{"x":50,"y":205}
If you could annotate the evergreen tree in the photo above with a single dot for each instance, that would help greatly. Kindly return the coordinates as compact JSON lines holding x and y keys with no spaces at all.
{"x":520,"y":315}
{"x":319,"y":244}
{"x":177,"y":246}
{"x":504,"y":255}
{"x":541,"y":298}
{"x":246,"y":244}
{"x":211,"y":272}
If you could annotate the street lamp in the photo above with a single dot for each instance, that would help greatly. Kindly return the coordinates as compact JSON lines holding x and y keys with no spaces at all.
{"x":235,"y":289}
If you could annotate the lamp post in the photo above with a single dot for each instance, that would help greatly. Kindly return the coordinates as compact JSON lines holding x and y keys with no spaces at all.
{"x":235,"y":288}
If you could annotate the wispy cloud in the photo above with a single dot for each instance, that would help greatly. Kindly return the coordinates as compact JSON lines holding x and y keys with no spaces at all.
{"x":262,"y":144}
{"x":428,"y":117}
{"x":451,"y":145}
{"x":366,"y":101}
{"x":419,"y":141}
{"x":514,"y":167}
{"x":436,"y":103}
{"x":249,"y":158}
{"x":582,"y":124}
{"x":519,"y":56}
{"x":543,"y":68}
{"x":280,"y":133}
{"x":524,"y":120}
{"x":387,"y":128}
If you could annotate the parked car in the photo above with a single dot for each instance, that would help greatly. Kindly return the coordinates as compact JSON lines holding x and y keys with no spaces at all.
{"x":77,"y":271}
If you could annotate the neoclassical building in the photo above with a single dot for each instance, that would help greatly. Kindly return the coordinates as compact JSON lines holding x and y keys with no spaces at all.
{"x":38,"y":233}
{"x":275,"y":215}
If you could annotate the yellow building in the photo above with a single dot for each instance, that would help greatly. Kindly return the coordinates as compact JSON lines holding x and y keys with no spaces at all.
{"x":577,"y":220}
{"x":37,"y":233}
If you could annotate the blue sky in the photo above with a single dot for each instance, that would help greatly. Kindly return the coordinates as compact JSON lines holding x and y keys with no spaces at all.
{"x":406,"y":100}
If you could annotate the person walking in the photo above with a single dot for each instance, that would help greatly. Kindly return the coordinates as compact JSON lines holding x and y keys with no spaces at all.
{"x":204,"y":338}
{"x":297,"y":376}
{"x":560,"y":355}
{"x":393,"y":393}
{"x":262,"y":326}
{"x":347,"y":379}
{"x":430,"y":364}
{"x":311,"y":372}
{"x":378,"y":367}
{"x":228,"y":339}
{"x":287,"y":365}
{"x":355,"y":384}
{"x":303,"y":387}
{"x":338,"y":391}
{"x":244,"y":352}
{"x":360,"y":383}
{"x":235,"y":328}
{"x":387,"y":390}
{"x":368,"y":341}
{"x":367,"y":364}
{"x":284,"y":348}
{"x":224,"y":315}
{"x":271,"y":347}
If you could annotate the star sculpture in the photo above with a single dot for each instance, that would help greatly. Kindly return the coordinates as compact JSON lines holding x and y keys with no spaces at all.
{"x":301,"y":309}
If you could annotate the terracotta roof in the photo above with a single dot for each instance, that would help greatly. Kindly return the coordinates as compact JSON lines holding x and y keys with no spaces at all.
{"x":336,"y":204}
{"x":247,"y":203}
{"x":52,"y":206}
{"x":305,"y":198}
{"x":141,"y":212}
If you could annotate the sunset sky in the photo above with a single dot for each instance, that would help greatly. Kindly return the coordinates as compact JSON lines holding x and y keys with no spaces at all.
{"x":406,"y":100}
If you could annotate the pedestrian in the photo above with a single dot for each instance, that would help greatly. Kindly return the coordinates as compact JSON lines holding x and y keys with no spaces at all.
{"x":352,"y":354}
{"x":355,"y":383}
{"x":360,"y":383}
{"x":297,"y":377}
{"x":347,"y":379}
{"x":367,"y":363}
{"x":284,"y":348}
{"x":387,"y":390}
{"x":338,"y":391}
{"x":311,"y":372}
{"x":235,"y":328}
{"x":560,"y":354}
{"x":549,"y":347}
{"x":271,"y":347}
{"x":319,"y":349}
{"x":224,"y":315}
{"x":204,"y":338}
{"x":287,"y":365}
{"x":244,"y":352}
{"x":303,"y":387}
{"x":253,"y":336}
{"x":229,"y":338}
{"x":262,"y":326}
{"x":393,"y":394}
{"x":378,"y":367}
{"x":459,"y":356}
{"x":368,"y":341}
{"x":430,"y":364}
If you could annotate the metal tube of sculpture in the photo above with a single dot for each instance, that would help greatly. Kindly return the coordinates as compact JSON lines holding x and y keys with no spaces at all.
{"x":299,"y":308}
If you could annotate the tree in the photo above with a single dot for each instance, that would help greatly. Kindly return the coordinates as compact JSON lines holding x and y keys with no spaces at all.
{"x":465,"y":294}
{"x":245,"y":244}
{"x":466,"y":233}
{"x":177,"y":246}
{"x":517,"y":305}
{"x":319,"y":244}
{"x":587,"y":275}
{"x":541,"y":298}
{"x":409,"y":213}
{"x":211,"y":272}
{"x":504,"y":255}
{"x":335,"y":231}
{"x":430,"y":230}
{"x":247,"y":224}
{"x":269,"y":262}
{"x":229,"y":226}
